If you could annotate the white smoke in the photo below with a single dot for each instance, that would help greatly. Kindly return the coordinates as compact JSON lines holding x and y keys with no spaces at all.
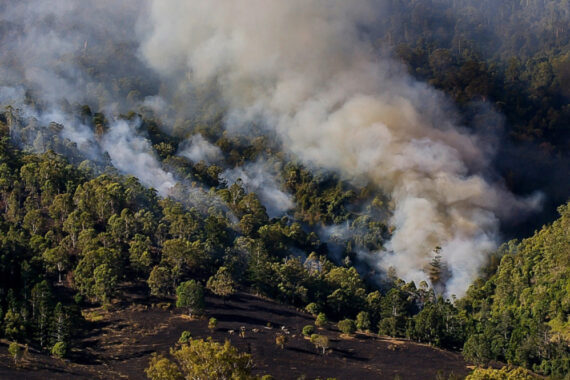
{"x":303,"y":67}
{"x":58,"y":56}
{"x":259,"y":178}
{"x":45,"y":46}
{"x":156,"y":104}
{"x":130,"y":152}
{"x":196,"y":148}
{"x":133,"y":154}
{"x":12,"y":95}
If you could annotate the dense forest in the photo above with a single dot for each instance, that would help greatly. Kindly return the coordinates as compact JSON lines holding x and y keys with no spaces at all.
{"x":65,"y":227}
{"x":114,"y":187}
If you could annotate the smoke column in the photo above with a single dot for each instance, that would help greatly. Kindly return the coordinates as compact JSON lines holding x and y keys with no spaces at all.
{"x":305,"y":70}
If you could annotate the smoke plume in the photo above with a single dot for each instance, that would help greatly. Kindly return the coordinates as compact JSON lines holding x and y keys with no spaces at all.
{"x":305,"y":69}
{"x":259,"y":177}
{"x":133,"y":154}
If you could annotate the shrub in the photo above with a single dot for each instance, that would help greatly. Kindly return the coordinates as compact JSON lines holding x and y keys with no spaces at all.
{"x":185,"y":337}
{"x":504,"y":373}
{"x":280,"y":340}
{"x":347,"y":326}
{"x":308,"y":330}
{"x":78,"y":298}
{"x":15,"y":350}
{"x":59,"y":350}
{"x":321,"y":320}
{"x":212,"y":323}
{"x":313,"y":308}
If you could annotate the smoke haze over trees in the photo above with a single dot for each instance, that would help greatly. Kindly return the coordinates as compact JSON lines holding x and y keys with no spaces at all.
{"x":305,"y":73}
{"x":403,"y":139}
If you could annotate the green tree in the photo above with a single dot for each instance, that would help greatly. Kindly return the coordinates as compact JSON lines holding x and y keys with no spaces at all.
{"x":56,"y":258}
{"x":14,"y":327}
{"x":122,"y":227}
{"x":97,"y":273}
{"x":248,"y":225}
{"x":321,"y":342}
{"x":190,"y":294}
{"x":221,"y":283}
{"x":349,"y":294}
{"x":42,"y":303}
{"x":34,"y":222}
{"x":60,"y":208}
{"x":438,"y":272}
{"x":184,"y":257}
{"x":160,"y":281}
{"x":388,"y":326}
{"x":202,"y":359}
{"x":160,"y":368}
{"x":437,"y":323}
{"x":363,"y":321}
{"x":210,"y":360}
{"x":374,"y":306}
{"x":313,"y":308}
{"x":140,"y":256}
{"x":504,"y":373}
{"x":105,"y":284}
{"x":61,"y":325}
{"x":347,"y":326}
{"x":477,"y":350}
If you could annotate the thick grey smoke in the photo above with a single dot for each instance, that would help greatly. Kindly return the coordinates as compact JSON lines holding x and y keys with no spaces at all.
{"x":303,"y":68}
{"x":259,"y":178}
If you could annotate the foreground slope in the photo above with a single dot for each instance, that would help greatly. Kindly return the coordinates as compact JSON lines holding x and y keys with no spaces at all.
{"x":119,"y":344}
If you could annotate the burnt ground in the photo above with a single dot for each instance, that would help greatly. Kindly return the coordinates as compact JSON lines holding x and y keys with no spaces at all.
{"x":118,"y":343}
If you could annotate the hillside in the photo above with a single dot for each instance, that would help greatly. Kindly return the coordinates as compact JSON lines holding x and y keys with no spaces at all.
{"x":120,"y":341}
{"x":521,"y":312}
{"x":176,"y":167}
